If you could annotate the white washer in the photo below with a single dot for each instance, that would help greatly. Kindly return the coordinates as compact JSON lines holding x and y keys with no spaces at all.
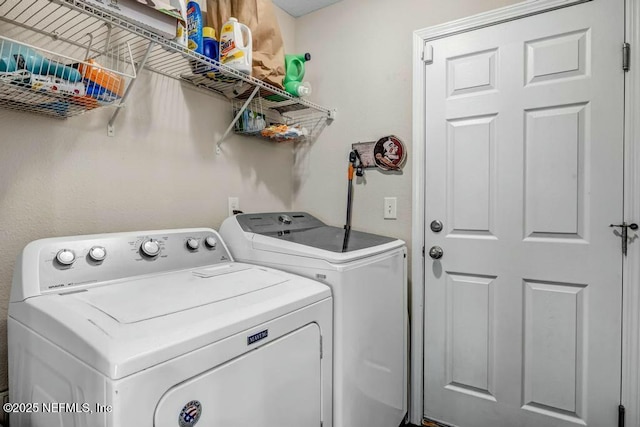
{"x":163,"y":329}
{"x":369,"y":285}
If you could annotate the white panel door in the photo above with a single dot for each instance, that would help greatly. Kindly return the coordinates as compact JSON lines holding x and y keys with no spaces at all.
{"x":524,"y":150}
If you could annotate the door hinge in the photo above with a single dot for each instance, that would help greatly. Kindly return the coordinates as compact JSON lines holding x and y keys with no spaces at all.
{"x":626,"y":56}
{"x":620,"y":415}
{"x":624,"y":234}
{"x":427,"y":54}
{"x":423,"y":252}
{"x":320,"y":346}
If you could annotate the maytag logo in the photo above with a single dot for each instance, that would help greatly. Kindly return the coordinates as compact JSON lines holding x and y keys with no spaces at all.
{"x":252,"y":339}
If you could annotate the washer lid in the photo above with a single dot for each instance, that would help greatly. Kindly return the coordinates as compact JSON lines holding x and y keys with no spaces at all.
{"x":303,"y":234}
{"x":124,"y":327}
{"x":332,"y":239}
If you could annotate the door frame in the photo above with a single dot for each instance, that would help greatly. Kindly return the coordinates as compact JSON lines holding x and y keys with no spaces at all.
{"x":631,"y":265}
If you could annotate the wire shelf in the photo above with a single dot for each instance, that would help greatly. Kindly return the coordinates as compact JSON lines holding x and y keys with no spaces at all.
{"x":45,"y":82}
{"x":82,"y":31}
{"x":279,"y":123}
{"x":288,"y":123}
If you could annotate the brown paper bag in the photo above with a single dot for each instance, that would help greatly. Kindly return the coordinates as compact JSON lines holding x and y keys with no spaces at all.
{"x":259,"y":16}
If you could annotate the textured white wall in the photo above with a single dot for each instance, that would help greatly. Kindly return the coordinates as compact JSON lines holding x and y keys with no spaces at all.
{"x":362,"y":65}
{"x":287,"y":29}
{"x":61,"y":178}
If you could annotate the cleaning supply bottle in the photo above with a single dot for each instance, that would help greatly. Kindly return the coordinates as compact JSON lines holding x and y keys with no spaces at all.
{"x":181,"y":29}
{"x":210,"y":46}
{"x":294,"y":67}
{"x":294,"y":73}
{"x":194,"y":27}
{"x":235,"y":46}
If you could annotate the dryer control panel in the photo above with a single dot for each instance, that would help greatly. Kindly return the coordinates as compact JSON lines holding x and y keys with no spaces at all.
{"x":65,"y":264}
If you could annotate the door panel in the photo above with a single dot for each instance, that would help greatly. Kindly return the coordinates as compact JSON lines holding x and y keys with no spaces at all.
{"x":470,"y":181}
{"x":554,"y":367}
{"x":524,"y":155}
{"x":469,"y":335}
{"x":554,"y":164}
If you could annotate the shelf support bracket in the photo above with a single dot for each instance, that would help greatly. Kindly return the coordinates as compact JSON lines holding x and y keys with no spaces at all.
{"x":236,"y":118}
{"x":110,"y":126}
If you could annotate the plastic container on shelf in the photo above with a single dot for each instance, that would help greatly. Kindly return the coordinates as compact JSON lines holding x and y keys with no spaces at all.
{"x":16,"y":56}
{"x":294,"y":73}
{"x":210,"y":47}
{"x":181,"y":29}
{"x":194,"y":27}
{"x":235,"y":46}
{"x":294,"y":67}
{"x":299,"y":89}
{"x":103,"y":87}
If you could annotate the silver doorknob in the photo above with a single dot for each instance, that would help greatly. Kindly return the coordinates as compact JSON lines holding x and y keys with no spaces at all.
{"x":436,"y":252}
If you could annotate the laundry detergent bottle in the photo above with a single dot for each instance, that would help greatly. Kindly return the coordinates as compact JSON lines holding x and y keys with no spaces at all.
{"x":298,"y":89}
{"x":235,"y":46}
{"x":210,"y":46}
{"x":294,"y":73}
{"x":294,"y":67}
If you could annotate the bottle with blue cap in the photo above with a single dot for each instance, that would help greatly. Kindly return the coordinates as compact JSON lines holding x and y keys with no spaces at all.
{"x":210,"y":46}
{"x":194,"y":27}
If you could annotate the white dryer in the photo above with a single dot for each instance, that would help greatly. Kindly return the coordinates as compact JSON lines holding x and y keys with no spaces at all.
{"x":369,"y":286}
{"x":163,"y":329}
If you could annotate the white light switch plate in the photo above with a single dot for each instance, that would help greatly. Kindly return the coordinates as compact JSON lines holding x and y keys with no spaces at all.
{"x":234,"y":205}
{"x":390,"y":209}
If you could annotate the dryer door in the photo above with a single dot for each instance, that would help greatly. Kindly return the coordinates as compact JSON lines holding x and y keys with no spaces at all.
{"x":277,"y":384}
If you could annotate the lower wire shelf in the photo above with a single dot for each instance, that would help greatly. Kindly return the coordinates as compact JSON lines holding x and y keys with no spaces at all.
{"x":284,"y":123}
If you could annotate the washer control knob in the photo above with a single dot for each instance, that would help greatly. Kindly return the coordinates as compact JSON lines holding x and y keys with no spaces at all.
{"x":210,"y":242}
{"x":65,"y":256}
{"x":150,"y":248}
{"x":97,"y":253}
{"x":192,"y":244}
{"x":285,"y":219}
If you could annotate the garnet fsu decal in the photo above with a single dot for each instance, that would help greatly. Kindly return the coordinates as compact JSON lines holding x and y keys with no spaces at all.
{"x":190,"y":414}
{"x":390,"y":153}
